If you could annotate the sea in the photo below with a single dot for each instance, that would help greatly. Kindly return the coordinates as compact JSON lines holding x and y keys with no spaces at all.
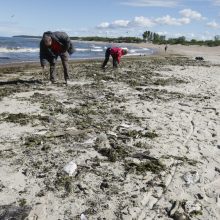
{"x":19,"y":49}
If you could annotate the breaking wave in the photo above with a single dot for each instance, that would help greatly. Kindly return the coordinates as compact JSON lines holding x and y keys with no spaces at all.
{"x":18,"y":50}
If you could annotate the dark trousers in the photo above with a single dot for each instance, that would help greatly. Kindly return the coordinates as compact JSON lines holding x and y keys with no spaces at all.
{"x":64,"y":58}
{"x":107,"y":55}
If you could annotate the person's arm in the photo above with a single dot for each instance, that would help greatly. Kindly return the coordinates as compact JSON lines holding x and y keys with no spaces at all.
{"x":43,"y":60}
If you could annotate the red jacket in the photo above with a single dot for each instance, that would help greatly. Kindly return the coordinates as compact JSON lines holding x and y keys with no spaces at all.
{"x":56,"y":47}
{"x":117,"y":53}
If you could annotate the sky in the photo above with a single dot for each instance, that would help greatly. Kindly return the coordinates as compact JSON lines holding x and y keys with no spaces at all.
{"x":194,"y":19}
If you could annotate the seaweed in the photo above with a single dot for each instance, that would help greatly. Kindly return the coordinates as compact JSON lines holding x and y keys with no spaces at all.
{"x":153,"y":165}
{"x":114,"y":154}
{"x":64,"y":182}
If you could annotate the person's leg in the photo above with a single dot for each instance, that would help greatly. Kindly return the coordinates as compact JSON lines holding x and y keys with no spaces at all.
{"x":52,"y":69}
{"x":64,"y":58}
{"x":115,"y":62}
{"x":107,"y":55}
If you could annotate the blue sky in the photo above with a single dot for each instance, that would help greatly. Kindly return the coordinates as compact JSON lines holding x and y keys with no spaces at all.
{"x":199,"y":19}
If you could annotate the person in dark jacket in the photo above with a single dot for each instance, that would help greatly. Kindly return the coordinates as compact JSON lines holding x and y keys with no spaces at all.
{"x":116,"y":54}
{"x":165,"y":48}
{"x":52,"y":45}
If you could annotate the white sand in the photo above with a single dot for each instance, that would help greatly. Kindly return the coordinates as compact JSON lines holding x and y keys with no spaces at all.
{"x":187,"y":128}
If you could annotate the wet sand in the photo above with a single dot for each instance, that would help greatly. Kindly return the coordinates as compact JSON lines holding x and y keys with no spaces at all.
{"x":145,"y":139}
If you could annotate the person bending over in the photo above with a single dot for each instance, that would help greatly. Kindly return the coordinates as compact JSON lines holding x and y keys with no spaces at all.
{"x":52,"y":45}
{"x":116,"y":54}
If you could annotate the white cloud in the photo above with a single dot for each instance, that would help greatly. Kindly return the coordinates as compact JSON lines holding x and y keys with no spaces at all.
{"x":178,"y":35}
{"x":191,"y":35}
{"x":119,"y":24}
{"x":205,"y":36}
{"x":114,"y":24}
{"x":151,"y":3}
{"x":162,"y":32}
{"x":216,"y":2}
{"x":103,"y":25}
{"x":136,"y":22}
{"x":142,"y":22}
{"x":184,"y":21}
{"x":168,"y":20}
{"x":188,"y":16}
{"x":188,"y":13}
{"x":213,"y":24}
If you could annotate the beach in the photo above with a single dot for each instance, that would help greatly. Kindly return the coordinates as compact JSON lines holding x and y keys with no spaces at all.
{"x":145,"y":138}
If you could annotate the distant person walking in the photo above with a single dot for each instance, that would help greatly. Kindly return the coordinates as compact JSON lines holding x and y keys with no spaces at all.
{"x":116,"y":54}
{"x":52,"y":45}
{"x":165,"y":48}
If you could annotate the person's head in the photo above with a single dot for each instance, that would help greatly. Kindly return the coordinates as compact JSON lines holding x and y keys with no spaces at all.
{"x":47,"y":40}
{"x":125,"y":51}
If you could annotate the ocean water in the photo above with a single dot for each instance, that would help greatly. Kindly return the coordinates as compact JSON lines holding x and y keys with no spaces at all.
{"x":17,"y":49}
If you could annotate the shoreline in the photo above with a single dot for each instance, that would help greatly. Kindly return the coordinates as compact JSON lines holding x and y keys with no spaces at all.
{"x":77,"y":60}
{"x":209,"y":53}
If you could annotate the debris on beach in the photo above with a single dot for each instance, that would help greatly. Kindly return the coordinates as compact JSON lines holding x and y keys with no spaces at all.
{"x":14,"y":212}
{"x":70,"y":168}
{"x":199,"y":58}
{"x":113,"y":144}
{"x":185,"y":210}
{"x":191,"y":177}
{"x":192,"y":207}
{"x":83,"y":217}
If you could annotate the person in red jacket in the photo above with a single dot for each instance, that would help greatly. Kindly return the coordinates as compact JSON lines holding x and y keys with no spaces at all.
{"x":116,"y":54}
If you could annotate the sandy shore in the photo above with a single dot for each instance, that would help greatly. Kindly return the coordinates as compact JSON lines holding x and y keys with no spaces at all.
{"x":145,"y":139}
{"x":209,"y":53}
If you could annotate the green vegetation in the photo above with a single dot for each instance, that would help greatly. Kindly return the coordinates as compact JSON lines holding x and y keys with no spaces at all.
{"x":96,"y":38}
{"x":114,"y":154}
{"x":155,"y":38}
{"x":153,"y":165}
{"x":110,"y":39}
{"x":27,"y":36}
{"x":148,"y":36}
{"x":64,"y":182}
{"x":22,"y":202}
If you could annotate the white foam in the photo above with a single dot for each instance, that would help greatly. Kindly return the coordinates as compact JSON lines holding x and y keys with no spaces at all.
{"x":85,"y":49}
{"x":96,"y":47}
{"x":135,"y":54}
{"x":97,"y":50}
{"x":138,"y":50}
{"x":132,"y":51}
{"x":81,"y":49}
{"x":18,"y":50}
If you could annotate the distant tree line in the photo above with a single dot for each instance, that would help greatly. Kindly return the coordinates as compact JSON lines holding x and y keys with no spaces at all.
{"x":27,"y":36}
{"x":148,"y":36}
{"x":96,"y":38}
{"x":110,"y":39}
{"x":155,"y":38}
